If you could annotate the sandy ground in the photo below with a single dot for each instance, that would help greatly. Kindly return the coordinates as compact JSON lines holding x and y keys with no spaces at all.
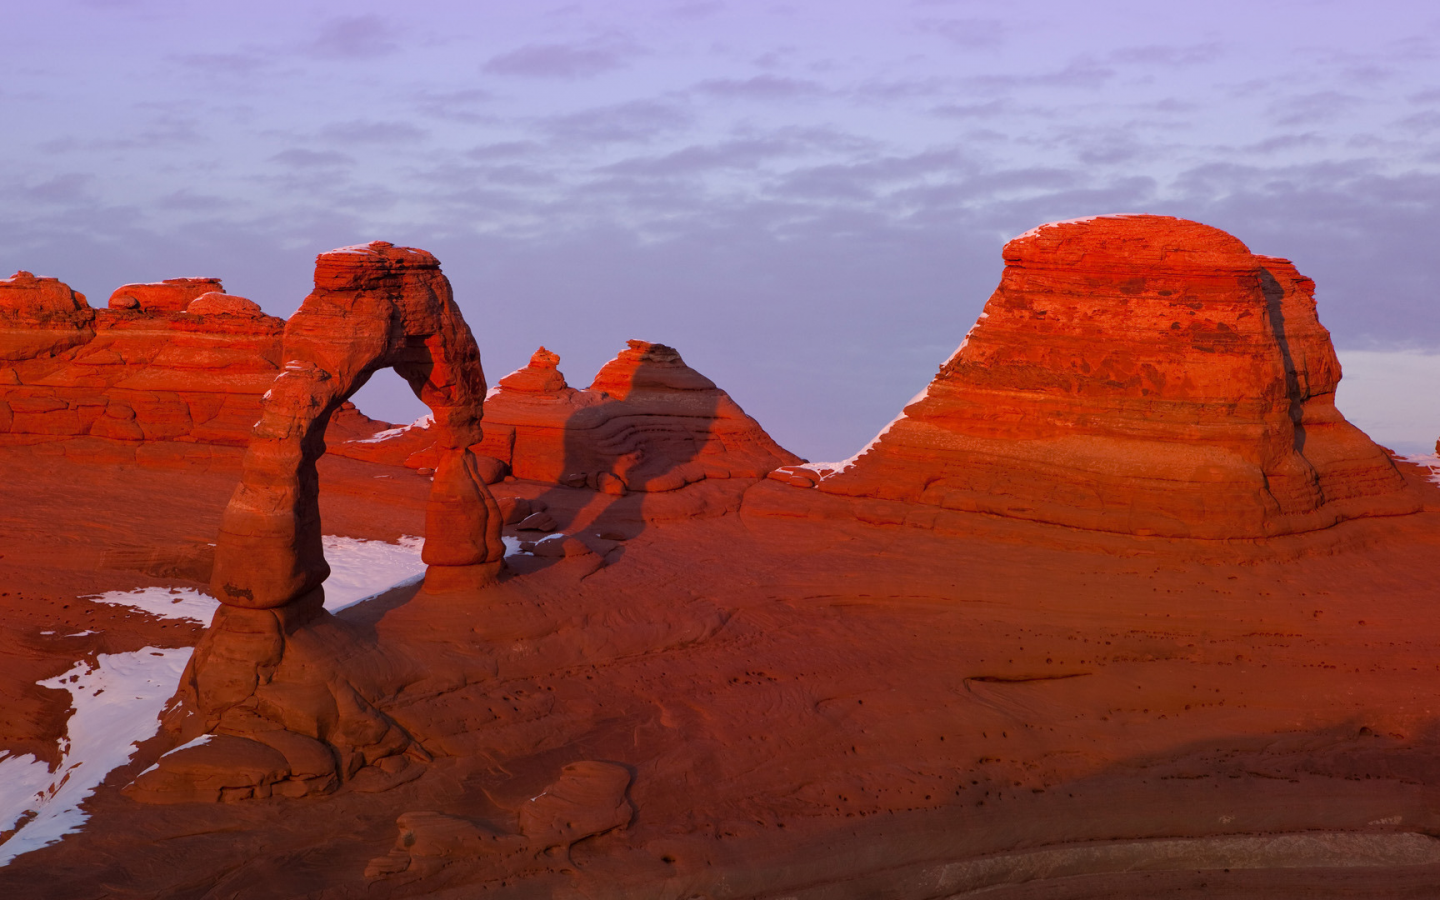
{"x":808,"y":708}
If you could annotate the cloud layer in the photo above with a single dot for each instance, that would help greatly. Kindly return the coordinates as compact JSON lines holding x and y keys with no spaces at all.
{"x":808,"y":200}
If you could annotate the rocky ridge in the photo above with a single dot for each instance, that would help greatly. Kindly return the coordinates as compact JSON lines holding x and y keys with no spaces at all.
{"x":1135,"y":374}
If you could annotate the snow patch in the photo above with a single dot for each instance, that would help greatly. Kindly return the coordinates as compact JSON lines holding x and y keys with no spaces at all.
{"x":117,"y":701}
{"x":361,"y":570}
{"x":1429,"y":461}
{"x":512,"y":546}
{"x":186,"y":604}
{"x":1038,"y":228}
{"x":423,"y":422}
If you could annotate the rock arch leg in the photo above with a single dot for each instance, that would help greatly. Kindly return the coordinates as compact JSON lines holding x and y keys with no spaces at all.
{"x":292,"y":693}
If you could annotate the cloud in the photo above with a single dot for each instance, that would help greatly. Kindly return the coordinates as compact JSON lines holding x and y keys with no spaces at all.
{"x":354,"y":37}
{"x":1421,"y":123}
{"x":1286,"y":142}
{"x":635,"y":121}
{"x":300,"y":158}
{"x":760,"y":87}
{"x":459,"y":105}
{"x":232,"y":64}
{"x":974,"y":34}
{"x":1169,"y":54}
{"x":364,"y":131}
{"x":1082,"y":72}
{"x":739,"y":153}
{"x":987,"y":109}
{"x":69,"y":188}
{"x":1318,"y":106}
{"x":504,"y":150}
{"x":696,"y":9}
{"x":564,"y":61}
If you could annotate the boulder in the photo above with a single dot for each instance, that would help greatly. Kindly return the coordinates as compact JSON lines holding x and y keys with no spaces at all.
{"x":171,"y":295}
{"x":217,"y":304}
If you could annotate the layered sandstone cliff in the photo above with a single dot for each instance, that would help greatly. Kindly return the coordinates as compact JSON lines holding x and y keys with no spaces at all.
{"x":176,"y":362}
{"x":1138,"y":374}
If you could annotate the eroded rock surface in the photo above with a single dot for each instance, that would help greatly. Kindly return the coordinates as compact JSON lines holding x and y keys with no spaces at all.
{"x":647,"y":423}
{"x":374,"y":306}
{"x":1137,"y":374}
{"x":156,"y":379}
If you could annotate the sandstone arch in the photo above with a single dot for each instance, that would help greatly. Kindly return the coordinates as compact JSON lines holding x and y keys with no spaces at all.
{"x":374,"y":306}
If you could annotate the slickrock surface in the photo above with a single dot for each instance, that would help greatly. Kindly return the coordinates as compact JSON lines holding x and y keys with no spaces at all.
{"x":1137,"y":374}
{"x":810,"y":709}
{"x":647,"y":423}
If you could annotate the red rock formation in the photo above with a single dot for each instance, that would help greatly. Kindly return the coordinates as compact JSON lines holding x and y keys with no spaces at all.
{"x":170,"y":295}
{"x":1137,"y":374}
{"x":40,"y":317}
{"x":373,"y":306}
{"x":648,"y":422}
{"x":143,"y":379}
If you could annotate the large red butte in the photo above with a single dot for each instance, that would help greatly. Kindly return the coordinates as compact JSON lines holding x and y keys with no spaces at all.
{"x":1138,"y":374}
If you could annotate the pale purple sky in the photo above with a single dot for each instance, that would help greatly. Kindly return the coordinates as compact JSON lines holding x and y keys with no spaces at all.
{"x":808,"y":199}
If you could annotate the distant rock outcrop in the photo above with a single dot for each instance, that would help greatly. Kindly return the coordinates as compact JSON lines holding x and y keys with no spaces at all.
{"x":40,"y":317}
{"x":1137,"y":374}
{"x":648,"y":422}
{"x":164,"y":376}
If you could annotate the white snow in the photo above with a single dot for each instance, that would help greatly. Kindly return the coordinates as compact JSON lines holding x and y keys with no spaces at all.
{"x":1430,"y":461}
{"x":167,"y":603}
{"x":118,"y":697}
{"x":512,"y":546}
{"x":117,"y":701}
{"x":193,"y":742}
{"x":359,"y":570}
{"x":423,"y":422}
{"x":1038,"y":228}
{"x":362,"y":569}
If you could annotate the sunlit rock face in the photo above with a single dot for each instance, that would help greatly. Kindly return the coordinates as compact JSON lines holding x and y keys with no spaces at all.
{"x":1138,"y":374}
{"x":41,"y":317}
{"x":374,"y":306}
{"x":159,"y":379}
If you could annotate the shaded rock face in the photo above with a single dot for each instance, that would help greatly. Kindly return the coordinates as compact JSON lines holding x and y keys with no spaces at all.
{"x":153,"y":382}
{"x":373,"y":307}
{"x":1137,"y":374}
{"x":648,"y":422}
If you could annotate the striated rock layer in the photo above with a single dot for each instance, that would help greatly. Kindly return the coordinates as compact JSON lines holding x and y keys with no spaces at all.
{"x":648,"y":422}
{"x":1138,"y":374}
{"x":148,"y":376}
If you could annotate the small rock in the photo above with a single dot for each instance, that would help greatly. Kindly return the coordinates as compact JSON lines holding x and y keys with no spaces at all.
{"x":540,"y":521}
